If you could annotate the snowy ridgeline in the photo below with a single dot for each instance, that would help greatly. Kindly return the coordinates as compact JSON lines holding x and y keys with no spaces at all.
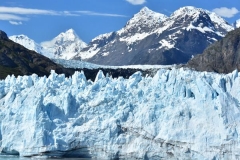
{"x":175,"y":114}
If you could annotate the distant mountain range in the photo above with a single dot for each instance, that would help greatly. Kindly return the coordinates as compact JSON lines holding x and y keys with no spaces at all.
{"x":147,"y":38}
{"x":153,"y":38}
{"x":64,"y":46}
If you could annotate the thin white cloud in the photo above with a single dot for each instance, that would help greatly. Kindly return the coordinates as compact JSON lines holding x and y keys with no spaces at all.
{"x":15,"y":14}
{"x":11,"y":17}
{"x":91,"y":13}
{"x":15,"y":23}
{"x":226,"y":12}
{"x":68,"y":13}
{"x":26,"y":11}
{"x":136,"y":2}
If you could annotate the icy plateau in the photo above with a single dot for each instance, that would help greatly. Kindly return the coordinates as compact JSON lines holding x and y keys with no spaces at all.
{"x":178,"y":113}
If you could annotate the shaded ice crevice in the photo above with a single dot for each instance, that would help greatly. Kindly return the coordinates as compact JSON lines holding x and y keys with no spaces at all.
{"x":176,"y":113}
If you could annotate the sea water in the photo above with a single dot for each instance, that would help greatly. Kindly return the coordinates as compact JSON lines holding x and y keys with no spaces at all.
{"x":7,"y":157}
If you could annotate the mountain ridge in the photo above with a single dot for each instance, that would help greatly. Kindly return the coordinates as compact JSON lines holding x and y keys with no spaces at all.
{"x":27,"y":43}
{"x":171,"y":41}
{"x":64,"y":46}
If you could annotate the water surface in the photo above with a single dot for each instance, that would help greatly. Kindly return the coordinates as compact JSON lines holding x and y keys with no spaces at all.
{"x":7,"y":157}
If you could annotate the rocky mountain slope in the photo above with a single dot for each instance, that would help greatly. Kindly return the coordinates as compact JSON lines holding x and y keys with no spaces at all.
{"x":64,"y":46}
{"x":223,"y":56}
{"x":17,"y":60}
{"x":153,"y":38}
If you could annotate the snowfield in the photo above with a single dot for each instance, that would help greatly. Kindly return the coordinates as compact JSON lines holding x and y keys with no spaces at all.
{"x":178,"y":113}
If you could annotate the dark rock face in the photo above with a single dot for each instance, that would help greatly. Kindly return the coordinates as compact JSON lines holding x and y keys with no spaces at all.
{"x":3,"y":35}
{"x":223,"y":56}
{"x":142,"y":52}
{"x":173,"y":40}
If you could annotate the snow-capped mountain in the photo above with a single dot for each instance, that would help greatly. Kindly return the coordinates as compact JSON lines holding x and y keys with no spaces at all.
{"x":135,"y":30}
{"x":153,"y":38}
{"x":237,"y":23}
{"x":143,"y":22}
{"x":64,"y":46}
{"x":177,"y":114}
{"x":27,"y":43}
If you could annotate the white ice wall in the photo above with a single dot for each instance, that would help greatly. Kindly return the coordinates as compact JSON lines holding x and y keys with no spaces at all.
{"x":177,"y":113}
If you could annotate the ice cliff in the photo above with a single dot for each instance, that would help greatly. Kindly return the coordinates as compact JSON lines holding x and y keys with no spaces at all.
{"x":178,"y":113}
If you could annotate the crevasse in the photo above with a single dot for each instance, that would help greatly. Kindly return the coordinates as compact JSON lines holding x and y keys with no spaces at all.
{"x":178,"y":113}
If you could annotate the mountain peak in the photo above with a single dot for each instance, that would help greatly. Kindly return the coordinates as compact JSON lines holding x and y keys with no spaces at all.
{"x":21,"y":36}
{"x":68,"y":35}
{"x":145,"y":18}
{"x":26,"y":42}
{"x":199,"y":16}
{"x":71,"y":31}
{"x":23,"y":39}
{"x":189,"y":10}
{"x":64,"y":46}
{"x":145,"y":9}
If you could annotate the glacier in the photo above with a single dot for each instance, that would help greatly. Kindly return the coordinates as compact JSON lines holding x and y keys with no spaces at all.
{"x":177,"y":113}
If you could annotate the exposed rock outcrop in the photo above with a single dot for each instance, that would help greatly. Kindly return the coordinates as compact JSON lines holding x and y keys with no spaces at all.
{"x":222,"y":56}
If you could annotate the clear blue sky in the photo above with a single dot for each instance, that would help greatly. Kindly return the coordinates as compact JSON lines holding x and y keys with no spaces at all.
{"x":44,"y":19}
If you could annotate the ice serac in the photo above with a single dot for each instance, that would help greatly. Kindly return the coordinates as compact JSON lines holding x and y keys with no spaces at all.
{"x":153,"y":38}
{"x":177,"y":113}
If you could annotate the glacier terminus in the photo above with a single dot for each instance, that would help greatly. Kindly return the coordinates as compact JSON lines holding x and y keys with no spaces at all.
{"x":177,"y":113}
